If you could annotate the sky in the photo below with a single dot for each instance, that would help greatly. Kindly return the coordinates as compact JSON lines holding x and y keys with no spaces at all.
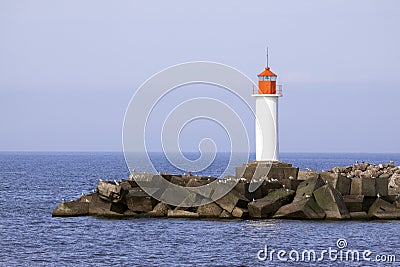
{"x":68,"y":69}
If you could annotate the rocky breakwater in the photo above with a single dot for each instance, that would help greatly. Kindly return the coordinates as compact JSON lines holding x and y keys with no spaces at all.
{"x":359,"y":191}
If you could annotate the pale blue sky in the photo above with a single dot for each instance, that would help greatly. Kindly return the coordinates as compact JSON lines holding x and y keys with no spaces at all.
{"x":69,"y":68}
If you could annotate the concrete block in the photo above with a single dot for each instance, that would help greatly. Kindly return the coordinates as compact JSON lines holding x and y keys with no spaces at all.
{"x":182,"y":214}
{"x":71,"y":208}
{"x":302,"y":209}
{"x":382,"y":186}
{"x":356,"y":186}
{"x":209,"y":210}
{"x":231,"y":200}
{"x":381,"y":209}
{"x":268,"y":205}
{"x":240,"y":213}
{"x":354,"y":203}
{"x":307,"y":187}
{"x":331,"y":201}
{"x":368,"y":187}
{"x":338,"y":181}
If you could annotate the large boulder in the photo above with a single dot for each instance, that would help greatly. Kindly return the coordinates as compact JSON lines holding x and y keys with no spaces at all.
{"x":231,"y":200}
{"x":71,"y":208}
{"x":382,"y":209}
{"x":338,"y":181}
{"x":301,"y":209}
{"x":331,"y":201}
{"x":139,"y":201}
{"x":109,"y":191}
{"x":394,"y":184}
{"x":240,"y":213}
{"x":99,"y":207}
{"x":268,"y":205}
{"x":306,"y":174}
{"x":160,"y":210}
{"x":209,"y":210}
{"x":307,"y":187}
{"x":182,"y":214}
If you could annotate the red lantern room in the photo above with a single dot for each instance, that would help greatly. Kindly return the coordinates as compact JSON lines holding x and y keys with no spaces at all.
{"x":267,"y":82}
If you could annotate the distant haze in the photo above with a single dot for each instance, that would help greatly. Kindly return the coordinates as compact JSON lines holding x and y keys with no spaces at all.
{"x":69,"y":68}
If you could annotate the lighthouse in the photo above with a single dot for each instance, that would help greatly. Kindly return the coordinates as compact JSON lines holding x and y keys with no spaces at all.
{"x":267,"y":146}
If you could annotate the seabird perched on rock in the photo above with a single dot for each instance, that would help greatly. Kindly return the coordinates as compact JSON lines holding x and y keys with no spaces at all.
{"x":62,"y":200}
{"x":378,"y":195}
{"x":254,"y":199}
{"x":115,"y":182}
{"x":307,"y":196}
{"x":291,"y":178}
{"x":100,"y":180}
{"x":308,"y":169}
{"x":283,"y":186}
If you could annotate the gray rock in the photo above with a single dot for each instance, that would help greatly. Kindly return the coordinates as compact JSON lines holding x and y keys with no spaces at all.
{"x":290,"y":184}
{"x":139,"y":201}
{"x":394,"y":185}
{"x":100,"y":207}
{"x":71,"y":208}
{"x":302,"y":209}
{"x":354,"y":203}
{"x":368,"y":187}
{"x":382,"y":209}
{"x":225,"y":215}
{"x":382,"y":186}
{"x":160,"y":210}
{"x":182,"y":214}
{"x":338,"y":181}
{"x":231,"y":200}
{"x":240,"y":213}
{"x":268,"y":205}
{"x":209,"y":210}
{"x":109,"y":191}
{"x":331,"y":201}
{"x":356,"y":186}
{"x":307,"y":187}
{"x":306,"y":174}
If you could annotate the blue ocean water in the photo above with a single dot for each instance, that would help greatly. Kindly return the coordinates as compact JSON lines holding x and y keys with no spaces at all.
{"x":32,"y":184}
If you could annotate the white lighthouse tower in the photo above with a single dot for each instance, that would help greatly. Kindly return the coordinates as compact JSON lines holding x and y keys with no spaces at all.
{"x":267,"y":146}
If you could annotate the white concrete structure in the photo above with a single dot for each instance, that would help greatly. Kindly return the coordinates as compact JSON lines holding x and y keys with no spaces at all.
{"x":267,"y":144}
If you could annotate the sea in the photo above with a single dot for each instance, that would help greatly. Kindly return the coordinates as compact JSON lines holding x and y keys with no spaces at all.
{"x":33,"y":183}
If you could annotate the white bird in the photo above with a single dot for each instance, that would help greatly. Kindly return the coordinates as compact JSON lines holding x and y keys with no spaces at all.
{"x":283,"y":186}
{"x":378,"y":195}
{"x":100,"y":180}
{"x":83,"y":194}
{"x":63,"y":200}
{"x":308,"y":169}
{"x":287,"y":190}
{"x":291,"y":177}
{"x":115,"y":182}
{"x":307,"y":196}
{"x":254,"y":199}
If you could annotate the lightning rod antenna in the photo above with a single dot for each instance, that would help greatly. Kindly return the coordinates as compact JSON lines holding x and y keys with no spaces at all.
{"x":267,"y":58}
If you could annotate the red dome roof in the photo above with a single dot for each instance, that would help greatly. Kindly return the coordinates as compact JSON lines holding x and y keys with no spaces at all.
{"x":267,"y":72}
